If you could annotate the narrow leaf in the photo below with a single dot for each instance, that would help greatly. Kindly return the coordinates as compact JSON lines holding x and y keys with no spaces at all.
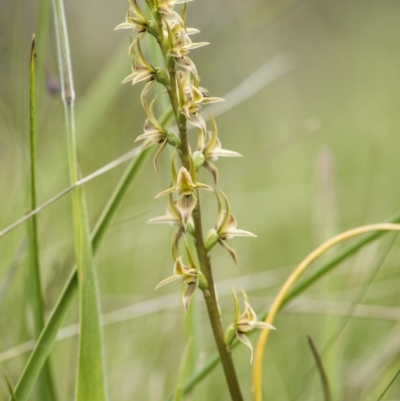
{"x":91,"y":382}
{"x":46,"y":388}
{"x":182,"y":372}
{"x":321,"y":370}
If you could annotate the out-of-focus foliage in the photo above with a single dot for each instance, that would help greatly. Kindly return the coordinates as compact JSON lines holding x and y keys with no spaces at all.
{"x":320,"y":147}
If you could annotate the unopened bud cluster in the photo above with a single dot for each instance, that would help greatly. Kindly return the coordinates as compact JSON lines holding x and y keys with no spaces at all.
{"x":180,"y":79}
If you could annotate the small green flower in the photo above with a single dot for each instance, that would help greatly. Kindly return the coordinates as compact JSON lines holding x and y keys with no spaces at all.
{"x":142,"y":69}
{"x":135,"y":19}
{"x":226,"y":228}
{"x":190,"y":275}
{"x":186,"y":185}
{"x":193,"y":97}
{"x":212,"y":150}
{"x":244,"y":323}
{"x":155,"y":133}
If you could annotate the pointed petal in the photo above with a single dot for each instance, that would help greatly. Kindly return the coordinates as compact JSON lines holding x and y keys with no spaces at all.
{"x":167,"y":191}
{"x":175,"y":240}
{"x":167,"y":219}
{"x":196,"y":119}
{"x":196,"y":45}
{"x":237,"y":307}
{"x":124,"y":25}
{"x":192,"y":169}
{"x":220,"y":214}
{"x":212,"y":143}
{"x":186,"y":204}
{"x":174,"y":173}
{"x":192,"y":31}
{"x":208,"y":100}
{"x":223,"y":153}
{"x":212,"y":168}
{"x":166,"y":281}
{"x":152,"y":134}
{"x":225,"y":224}
{"x":229,"y":249}
{"x":130,"y":77}
{"x":186,"y":62}
{"x":263,"y":325}
{"x":146,"y":89}
{"x":243,"y":338}
{"x":159,"y":150}
{"x":192,"y":263}
{"x":239,"y":233}
{"x":203,"y":186}
{"x":188,"y":294}
{"x":179,"y":267}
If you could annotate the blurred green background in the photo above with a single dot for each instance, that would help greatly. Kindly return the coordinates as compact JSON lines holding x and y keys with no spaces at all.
{"x":320,"y":145}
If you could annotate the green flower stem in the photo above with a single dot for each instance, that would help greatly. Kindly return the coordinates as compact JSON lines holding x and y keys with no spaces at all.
{"x":204,"y":260}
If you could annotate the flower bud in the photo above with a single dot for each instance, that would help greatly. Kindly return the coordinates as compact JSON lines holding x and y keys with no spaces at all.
{"x":203,"y":284}
{"x":198,"y":159}
{"x":162,"y":77}
{"x":173,"y":139}
{"x":152,"y":28}
{"x":211,"y":239}
{"x":230,"y":334}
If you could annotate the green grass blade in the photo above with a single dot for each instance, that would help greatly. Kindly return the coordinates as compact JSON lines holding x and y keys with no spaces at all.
{"x":321,"y":370}
{"x":183,"y":372}
{"x":42,"y":36}
{"x":388,"y":386}
{"x":326,"y":268}
{"x":91,"y":380}
{"x":46,"y":388}
{"x":48,"y":336}
{"x":11,"y":388}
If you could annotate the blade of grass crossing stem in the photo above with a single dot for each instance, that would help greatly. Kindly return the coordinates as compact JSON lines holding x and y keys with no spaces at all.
{"x":46,"y":388}
{"x":91,"y":381}
{"x":47,"y":338}
{"x":326,"y":268}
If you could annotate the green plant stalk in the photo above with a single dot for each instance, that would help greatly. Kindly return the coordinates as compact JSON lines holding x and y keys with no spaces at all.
{"x":91,"y":381}
{"x":46,"y":388}
{"x":204,"y":260}
{"x":48,"y":336}
{"x":325,"y":269}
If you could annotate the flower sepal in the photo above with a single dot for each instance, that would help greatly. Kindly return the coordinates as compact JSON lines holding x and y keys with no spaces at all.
{"x":244,"y":323}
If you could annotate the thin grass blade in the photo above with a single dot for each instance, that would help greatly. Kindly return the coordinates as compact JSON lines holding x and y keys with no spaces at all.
{"x":321,"y":370}
{"x":183,"y":372}
{"x":388,"y":386}
{"x":91,"y":379}
{"x":46,"y":388}
{"x":10,"y":387}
